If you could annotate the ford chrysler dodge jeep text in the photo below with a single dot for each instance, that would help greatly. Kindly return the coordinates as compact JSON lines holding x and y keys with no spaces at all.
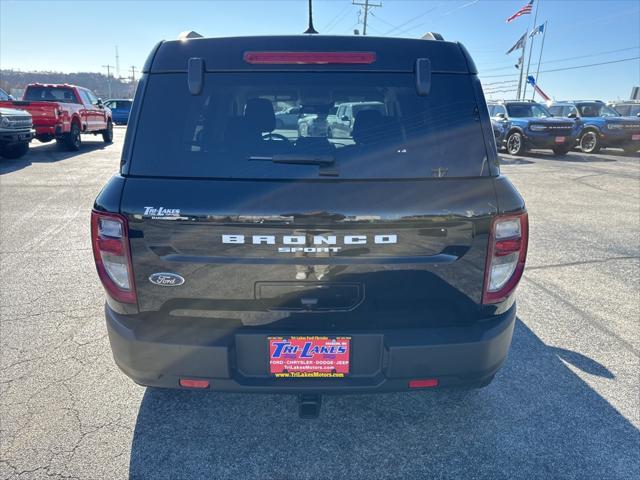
{"x":240,"y":257}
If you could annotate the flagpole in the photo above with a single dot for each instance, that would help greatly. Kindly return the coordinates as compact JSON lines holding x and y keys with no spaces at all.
{"x":522,"y":66}
{"x":535,"y":22}
{"x":544,"y":35}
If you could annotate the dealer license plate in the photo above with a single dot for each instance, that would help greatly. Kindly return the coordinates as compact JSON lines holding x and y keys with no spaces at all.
{"x":309,"y":357}
{"x":560,"y":139}
{"x":635,"y":136}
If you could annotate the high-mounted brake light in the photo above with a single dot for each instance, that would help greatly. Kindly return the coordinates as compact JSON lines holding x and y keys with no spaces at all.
{"x":506,"y":256}
{"x":314,"y":58}
{"x":111,"y":252}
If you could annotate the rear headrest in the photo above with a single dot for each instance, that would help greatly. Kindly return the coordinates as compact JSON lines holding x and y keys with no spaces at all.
{"x":259,"y":114}
{"x":367,"y":125}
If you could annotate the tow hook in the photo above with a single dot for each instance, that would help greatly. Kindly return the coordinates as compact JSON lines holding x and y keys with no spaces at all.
{"x":309,"y":405}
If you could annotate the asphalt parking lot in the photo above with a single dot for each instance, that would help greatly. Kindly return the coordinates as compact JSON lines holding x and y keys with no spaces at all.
{"x":566,"y":404}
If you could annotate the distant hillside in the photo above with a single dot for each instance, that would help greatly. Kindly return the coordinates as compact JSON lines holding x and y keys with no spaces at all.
{"x":14,"y":81}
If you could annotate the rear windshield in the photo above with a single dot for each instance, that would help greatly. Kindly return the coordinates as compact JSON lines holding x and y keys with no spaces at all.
{"x":295,"y":125}
{"x":518,"y":110}
{"x":50,"y":94}
{"x":596,"y":110}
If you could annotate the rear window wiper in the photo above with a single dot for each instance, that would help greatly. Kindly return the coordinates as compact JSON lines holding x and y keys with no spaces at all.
{"x":325,"y":162}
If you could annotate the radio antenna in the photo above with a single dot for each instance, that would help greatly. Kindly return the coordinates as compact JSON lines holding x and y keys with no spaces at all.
{"x":311,"y":29}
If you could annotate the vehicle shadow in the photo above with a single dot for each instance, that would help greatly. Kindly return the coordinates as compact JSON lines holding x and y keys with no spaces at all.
{"x":573,"y":156}
{"x":514,"y":161}
{"x":619,"y":152}
{"x":536,"y":420}
{"x":48,"y":153}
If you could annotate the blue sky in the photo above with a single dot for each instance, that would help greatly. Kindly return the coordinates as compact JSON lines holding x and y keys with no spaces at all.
{"x":81,"y":35}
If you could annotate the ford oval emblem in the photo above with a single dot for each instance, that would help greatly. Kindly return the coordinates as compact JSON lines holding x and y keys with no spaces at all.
{"x":166,"y":279}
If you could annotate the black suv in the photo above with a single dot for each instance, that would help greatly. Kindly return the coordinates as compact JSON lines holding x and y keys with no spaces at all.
{"x":239,"y":259}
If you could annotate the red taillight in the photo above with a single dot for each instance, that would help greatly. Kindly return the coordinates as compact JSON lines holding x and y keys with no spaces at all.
{"x":317,"y":58}
{"x":111,"y":252}
{"x":506,"y":256}
{"x":423,"y":383}
{"x":192,"y":383}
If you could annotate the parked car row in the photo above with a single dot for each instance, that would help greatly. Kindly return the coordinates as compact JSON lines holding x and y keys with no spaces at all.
{"x":562,"y":126}
{"x":56,"y":112}
{"x":517,"y":125}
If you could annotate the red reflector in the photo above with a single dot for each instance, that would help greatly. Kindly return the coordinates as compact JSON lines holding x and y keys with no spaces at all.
{"x":111,"y":245}
{"x":191,"y":383}
{"x":427,"y":382}
{"x":280,"y":58}
{"x":505,"y":247}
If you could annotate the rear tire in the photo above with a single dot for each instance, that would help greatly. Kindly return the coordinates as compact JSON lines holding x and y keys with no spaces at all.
{"x":589,"y":142}
{"x":107,"y":134}
{"x":561,"y":151}
{"x":72,"y":140}
{"x":13,"y":152}
{"x":515,"y":144}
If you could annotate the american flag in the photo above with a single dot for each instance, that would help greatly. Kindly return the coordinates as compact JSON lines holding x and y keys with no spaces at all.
{"x":525,"y":10}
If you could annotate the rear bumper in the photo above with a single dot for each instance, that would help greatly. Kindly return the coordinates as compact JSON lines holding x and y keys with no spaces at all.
{"x":49,"y":130}
{"x":381,"y":361}
{"x":624,"y":139}
{"x":549,"y":141}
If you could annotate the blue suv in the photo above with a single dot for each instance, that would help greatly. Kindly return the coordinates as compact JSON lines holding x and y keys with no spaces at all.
{"x":120,"y":109}
{"x":602,"y":126}
{"x":528,"y":124}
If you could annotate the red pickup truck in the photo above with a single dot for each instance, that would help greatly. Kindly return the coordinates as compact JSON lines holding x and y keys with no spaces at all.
{"x":64,"y":112}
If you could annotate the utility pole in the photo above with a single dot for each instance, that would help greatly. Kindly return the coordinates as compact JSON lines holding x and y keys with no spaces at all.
{"x":108,"y":67}
{"x":117,"y":63}
{"x":133,"y":80}
{"x":366,"y":6}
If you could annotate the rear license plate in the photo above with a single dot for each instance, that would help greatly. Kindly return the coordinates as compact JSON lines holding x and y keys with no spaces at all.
{"x":309,"y":357}
{"x":560,"y":139}
{"x":635,"y":136}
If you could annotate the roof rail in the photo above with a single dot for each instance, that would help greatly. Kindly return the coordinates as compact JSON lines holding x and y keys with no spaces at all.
{"x":432,"y":36}
{"x":187,"y":34}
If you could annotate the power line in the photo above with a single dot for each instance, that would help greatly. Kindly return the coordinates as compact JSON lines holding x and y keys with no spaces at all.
{"x":382,"y":20}
{"x":571,"y":58}
{"x":569,"y":68}
{"x":335,"y":20}
{"x":500,"y":83}
{"x":459,"y":7}
{"x":413,"y":19}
